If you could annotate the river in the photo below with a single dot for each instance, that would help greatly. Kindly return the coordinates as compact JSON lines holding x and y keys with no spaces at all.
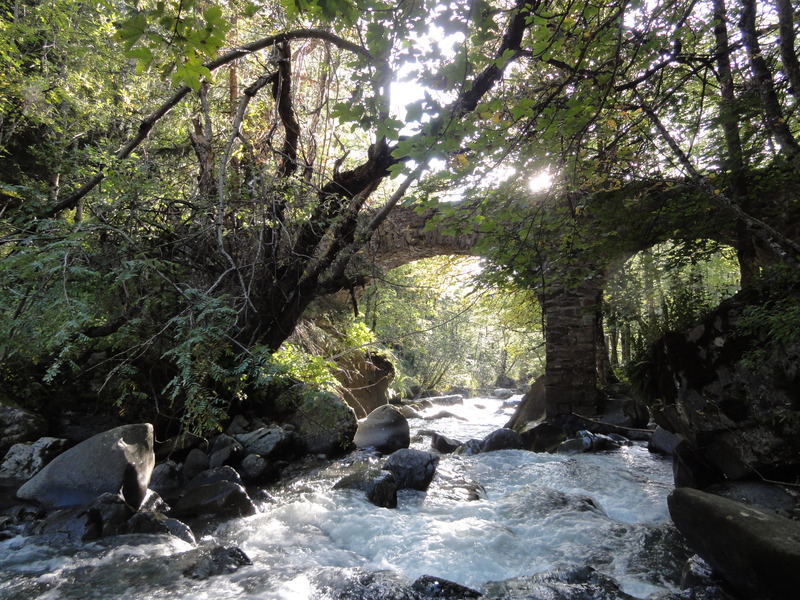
{"x":487,"y":518}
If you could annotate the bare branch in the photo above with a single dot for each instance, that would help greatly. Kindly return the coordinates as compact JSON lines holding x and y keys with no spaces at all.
{"x":149,"y":122}
{"x":282,"y":93}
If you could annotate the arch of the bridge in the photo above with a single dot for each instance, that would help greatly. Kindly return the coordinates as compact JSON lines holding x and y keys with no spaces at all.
{"x":407,"y":236}
{"x":571,"y":303}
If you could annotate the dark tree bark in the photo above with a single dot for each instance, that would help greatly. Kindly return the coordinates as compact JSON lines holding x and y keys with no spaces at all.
{"x":745,"y":248}
{"x":765,"y":85}
{"x":791,"y":65}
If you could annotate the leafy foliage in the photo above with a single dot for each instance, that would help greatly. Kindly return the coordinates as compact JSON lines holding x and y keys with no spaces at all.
{"x":774,"y":321}
{"x":665,"y":289}
{"x":446,"y":330}
{"x":182,"y":179}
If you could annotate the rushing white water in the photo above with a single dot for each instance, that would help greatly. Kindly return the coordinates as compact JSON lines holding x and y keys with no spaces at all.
{"x":533,"y":512}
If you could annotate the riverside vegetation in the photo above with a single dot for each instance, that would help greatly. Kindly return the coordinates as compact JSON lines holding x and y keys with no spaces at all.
{"x":193,"y":195}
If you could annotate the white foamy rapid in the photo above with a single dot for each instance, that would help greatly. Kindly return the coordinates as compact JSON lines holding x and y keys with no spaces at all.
{"x":528,"y":513}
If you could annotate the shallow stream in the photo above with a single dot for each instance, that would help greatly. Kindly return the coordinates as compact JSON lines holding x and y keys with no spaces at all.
{"x":486,"y":518}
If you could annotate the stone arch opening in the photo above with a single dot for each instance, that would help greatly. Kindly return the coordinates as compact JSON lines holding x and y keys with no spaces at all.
{"x":451,"y":334}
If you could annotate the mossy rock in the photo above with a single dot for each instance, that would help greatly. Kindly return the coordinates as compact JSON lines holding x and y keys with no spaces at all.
{"x":18,"y":425}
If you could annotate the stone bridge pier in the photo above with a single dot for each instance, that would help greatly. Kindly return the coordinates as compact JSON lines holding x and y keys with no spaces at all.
{"x":571,"y":313}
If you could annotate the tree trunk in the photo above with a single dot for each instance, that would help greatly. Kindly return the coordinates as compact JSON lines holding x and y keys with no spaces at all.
{"x":734,"y":162}
{"x":766,"y":86}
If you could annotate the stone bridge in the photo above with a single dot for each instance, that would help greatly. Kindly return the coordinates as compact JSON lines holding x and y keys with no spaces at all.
{"x":632,"y":220}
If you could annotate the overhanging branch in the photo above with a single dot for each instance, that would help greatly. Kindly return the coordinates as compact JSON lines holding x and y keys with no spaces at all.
{"x":150,"y":120}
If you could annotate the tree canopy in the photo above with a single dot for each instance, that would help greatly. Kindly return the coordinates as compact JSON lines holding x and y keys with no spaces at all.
{"x":180,"y":179}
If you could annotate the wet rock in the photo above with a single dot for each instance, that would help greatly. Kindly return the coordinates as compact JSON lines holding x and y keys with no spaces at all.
{"x":179,"y":530}
{"x":223,"y":498}
{"x":210,"y":476}
{"x":573,"y":446}
{"x":382,"y":490}
{"x":756,"y":552}
{"x":325,"y":424}
{"x":221,"y":560}
{"x":23,"y":461}
{"x":117,"y":461}
{"x":153,"y":503}
{"x":697,"y":573}
{"x":586,"y":441}
{"x":18,"y":425}
{"x":531,"y":409}
{"x":225,"y":451}
{"x":257,"y":469}
{"x":156,"y":523}
{"x":663,"y":441}
{"x":758,"y":494}
{"x":167,"y":480}
{"x":379,"y":486}
{"x":502,"y":393}
{"x":238,"y":425}
{"x":573,"y":424}
{"x":270,"y":442}
{"x":502,"y":439}
{"x":436,"y":587}
{"x":196,"y":462}
{"x":564,"y":583}
{"x":105,"y":516}
{"x":691,"y":468}
{"x":384,"y":429}
{"x":444,"y":444}
{"x":456,"y":488}
{"x":543,"y":437}
{"x":534,"y":502}
{"x":443,"y":414}
{"x":470,"y":447}
{"x":408,"y":412}
{"x":412,"y":469}
{"x":449,"y":400}
{"x":359,"y":584}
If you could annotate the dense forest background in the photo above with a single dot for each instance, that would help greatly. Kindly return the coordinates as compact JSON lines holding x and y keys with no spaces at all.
{"x":188,"y":188}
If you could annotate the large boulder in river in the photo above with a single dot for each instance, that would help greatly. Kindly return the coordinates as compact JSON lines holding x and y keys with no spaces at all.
{"x":325,"y":423}
{"x":443,"y":444}
{"x":18,"y":425}
{"x":104,"y":516}
{"x":221,"y":498}
{"x":269,"y":442}
{"x":502,"y":439}
{"x":384,"y":429}
{"x":542,"y":437}
{"x":118,"y":461}
{"x":730,"y":391}
{"x":757,"y":552}
{"x":531,"y":409}
{"x":412,"y":469}
{"x":23,"y":461}
{"x":378,"y":485}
